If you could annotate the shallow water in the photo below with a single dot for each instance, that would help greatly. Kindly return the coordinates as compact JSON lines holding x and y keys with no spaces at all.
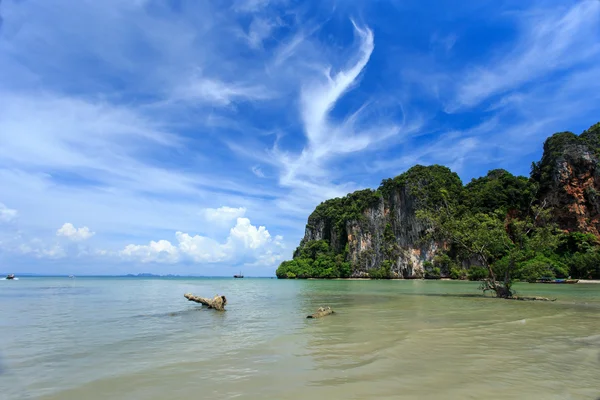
{"x":131,"y":338}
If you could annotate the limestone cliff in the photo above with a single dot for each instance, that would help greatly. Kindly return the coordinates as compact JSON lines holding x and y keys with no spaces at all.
{"x":375,"y":229}
{"x":569,"y":177}
{"x":378,"y":233}
{"x":365,"y":240}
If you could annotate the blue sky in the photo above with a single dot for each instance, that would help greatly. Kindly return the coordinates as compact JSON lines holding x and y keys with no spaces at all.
{"x":195,"y":137}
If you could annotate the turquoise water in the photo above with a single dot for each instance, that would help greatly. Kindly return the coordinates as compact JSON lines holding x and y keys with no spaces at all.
{"x":131,"y":338}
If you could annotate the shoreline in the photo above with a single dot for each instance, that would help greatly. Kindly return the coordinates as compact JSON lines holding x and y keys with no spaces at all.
{"x":581,"y":281}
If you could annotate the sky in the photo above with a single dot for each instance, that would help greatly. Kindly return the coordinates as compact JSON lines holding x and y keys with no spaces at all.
{"x":195,"y":137}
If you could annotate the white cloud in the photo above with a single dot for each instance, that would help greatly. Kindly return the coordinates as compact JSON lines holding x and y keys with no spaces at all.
{"x":223,"y":214}
{"x":251,"y":6}
{"x":247,"y":236}
{"x":201,"y":248}
{"x":69,"y":231}
{"x":246,"y":244}
{"x":162,"y":252}
{"x":256,"y":170}
{"x":7,"y":214}
{"x":38,"y":249}
{"x":309,"y":173}
{"x":550,"y":40}
{"x":219,"y":93}
{"x":443,"y":42}
{"x":259,"y":30}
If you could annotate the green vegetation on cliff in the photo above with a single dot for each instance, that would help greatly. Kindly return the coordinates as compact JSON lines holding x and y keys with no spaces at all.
{"x":495,"y":226}
{"x":315,"y":260}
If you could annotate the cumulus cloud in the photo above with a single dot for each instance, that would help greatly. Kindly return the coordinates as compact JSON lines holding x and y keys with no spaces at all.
{"x":160,"y":251}
{"x":246,"y":244}
{"x":7,"y":214}
{"x":248,"y":236}
{"x":76,"y":234}
{"x":223,"y":214}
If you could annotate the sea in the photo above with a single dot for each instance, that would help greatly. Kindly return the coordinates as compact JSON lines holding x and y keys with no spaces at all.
{"x":139,"y":338}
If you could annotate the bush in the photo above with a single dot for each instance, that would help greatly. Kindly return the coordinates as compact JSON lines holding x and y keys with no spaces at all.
{"x":383,"y":272}
{"x":444,"y":263}
{"x":315,"y":260}
{"x":540,"y":267}
{"x":584,"y":264}
{"x":433,"y":273}
{"x":476,"y":273}
{"x":458,"y":273}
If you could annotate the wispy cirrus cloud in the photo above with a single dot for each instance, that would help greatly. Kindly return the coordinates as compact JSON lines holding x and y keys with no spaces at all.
{"x":218,"y":93}
{"x":550,"y":40}
{"x":223,"y":214}
{"x":328,"y":138}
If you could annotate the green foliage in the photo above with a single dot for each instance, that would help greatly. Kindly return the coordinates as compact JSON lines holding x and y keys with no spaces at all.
{"x":431,"y":185}
{"x":388,"y":234}
{"x":458,"y":273}
{"x":499,"y":190}
{"x":383,"y":272}
{"x":433,"y":273}
{"x":591,"y":137}
{"x":445,"y":263}
{"x":577,"y":242}
{"x":477,"y":273}
{"x":314,"y":248}
{"x":340,"y":210}
{"x":315,"y":260}
{"x":584,"y":264}
{"x":540,"y":267}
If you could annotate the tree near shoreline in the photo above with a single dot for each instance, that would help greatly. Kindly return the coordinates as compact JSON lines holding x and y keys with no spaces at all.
{"x":499,"y":241}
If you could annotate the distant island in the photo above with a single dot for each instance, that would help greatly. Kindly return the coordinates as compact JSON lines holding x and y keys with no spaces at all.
{"x":425,"y":223}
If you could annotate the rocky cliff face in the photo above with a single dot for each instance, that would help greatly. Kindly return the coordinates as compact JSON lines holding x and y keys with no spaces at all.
{"x":366,"y":241}
{"x":383,"y":230}
{"x":379,"y":234}
{"x":569,"y":176}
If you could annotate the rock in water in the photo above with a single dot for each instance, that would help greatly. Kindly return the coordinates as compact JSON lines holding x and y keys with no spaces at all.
{"x":322,"y":312}
{"x":218,"y":302}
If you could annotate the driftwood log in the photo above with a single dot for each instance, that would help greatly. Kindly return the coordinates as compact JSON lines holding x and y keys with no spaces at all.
{"x":322,"y":312}
{"x":534,"y":298}
{"x":217,"y":302}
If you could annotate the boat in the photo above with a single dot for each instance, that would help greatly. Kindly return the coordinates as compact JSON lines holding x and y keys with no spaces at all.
{"x":238,"y":275}
{"x":10,"y":276}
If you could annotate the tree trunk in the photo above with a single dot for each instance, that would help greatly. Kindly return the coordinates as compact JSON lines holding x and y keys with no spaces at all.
{"x":500,"y":289}
{"x":217,"y":302}
{"x":322,"y":312}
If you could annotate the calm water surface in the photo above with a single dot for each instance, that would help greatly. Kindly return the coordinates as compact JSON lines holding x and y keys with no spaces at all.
{"x":131,"y":338}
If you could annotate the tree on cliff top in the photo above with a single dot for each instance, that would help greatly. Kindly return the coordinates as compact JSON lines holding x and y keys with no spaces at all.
{"x":426,"y":184}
